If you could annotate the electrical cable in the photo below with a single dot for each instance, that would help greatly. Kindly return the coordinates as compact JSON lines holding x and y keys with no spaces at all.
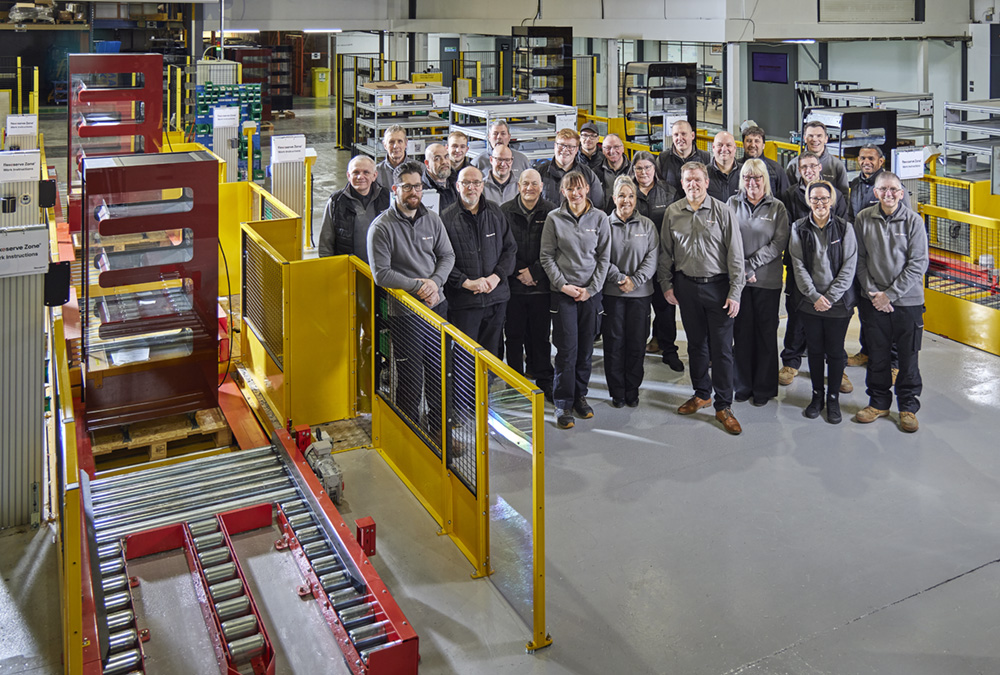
{"x":229,"y":297}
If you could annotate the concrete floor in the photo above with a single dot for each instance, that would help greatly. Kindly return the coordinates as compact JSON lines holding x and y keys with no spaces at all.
{"x":797,"y":548}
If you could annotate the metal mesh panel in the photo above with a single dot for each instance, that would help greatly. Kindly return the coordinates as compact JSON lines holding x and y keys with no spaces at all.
{"x":363,"y":326}
{"x":409,"y":367}
{"x":267,"y":210}
{"x":949,"y":235}
{"x":461,"y":377}
{"x":263,"y":298}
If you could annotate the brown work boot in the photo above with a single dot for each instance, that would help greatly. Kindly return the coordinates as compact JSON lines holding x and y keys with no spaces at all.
{"x":858,"y":360}
{"x":869,"y":414}
{"x":729,"y":421}
{"x":653,"y":347}
{"x":908,"y":422}
{"x":693,"y":405}
{"x":845,"y":385}
{"x":786,"y":375}
{"x":895,"y":372}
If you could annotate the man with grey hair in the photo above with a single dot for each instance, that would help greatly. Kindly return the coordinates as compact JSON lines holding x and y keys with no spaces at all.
{"x":682,"y":150}
{"x":615,"y":163}
{"x":499,"y":185}
{"x":350,"y":211}
{"x":438,"y":175}
{"x":500,"y":135}
{"x":394,"y":142}
{"x":892,"y":261}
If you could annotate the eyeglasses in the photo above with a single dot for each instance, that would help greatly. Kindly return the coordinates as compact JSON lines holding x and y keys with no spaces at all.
{"x":588,"y":134}
{"x":409,"y":187}
{"x":810,"y":167}
{"x":753,"y":179}
{"x":566,"y":147}
{"x":608,"y":149}
{"x":641,"y":168}
{"x":889,"y":191}
{"x":471,"y":183}
{"x":509,"y":160}
{"x":819,"y":200}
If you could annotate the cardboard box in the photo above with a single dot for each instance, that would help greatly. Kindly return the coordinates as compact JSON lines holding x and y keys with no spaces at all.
{"x":394,"y":84}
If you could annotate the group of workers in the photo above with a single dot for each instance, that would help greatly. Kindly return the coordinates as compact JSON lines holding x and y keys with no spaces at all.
{"x":589,"y":244}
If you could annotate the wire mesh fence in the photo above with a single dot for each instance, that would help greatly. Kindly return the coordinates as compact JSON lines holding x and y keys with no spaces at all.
{"x":461,"y":411}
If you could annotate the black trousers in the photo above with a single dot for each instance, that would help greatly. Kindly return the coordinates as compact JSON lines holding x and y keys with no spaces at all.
{"x":755,"y":344}
{"x":795,"y":336}
{"x":903,"y":328}
{"x":527,"y":336}
{"x":574,"y":327}
{"x":482,"y":324}
{"x":709,"y":336}
{"x":625,"y":321}
{"x":418,"y":371}
{"x":863,"y":339}
{"x":664,"y":321}
{"x":825,"y":343}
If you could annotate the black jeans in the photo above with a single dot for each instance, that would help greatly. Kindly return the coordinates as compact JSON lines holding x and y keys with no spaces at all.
{"x":527,"y":336}
{"x":574,"y":327}
{"x":902,"y":329}
{"x":709,"y":336}
{"x":664,"y":321}
{"x":482,"y":324}
{"x":795,"y":337}
{"x":825,"y":342}
{"x":755,"y":344}
{"x":625,"y":321}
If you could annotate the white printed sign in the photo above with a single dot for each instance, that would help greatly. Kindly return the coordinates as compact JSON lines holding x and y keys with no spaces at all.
{"x":22,"y":125}
{"x":24,"y":250}
{"x":290,"y":148}
{"x":442,"y":99}
{"x":908,"y":164}
{"x":20,"y":165}
{"x":540,"y":98}
{"x":226,"y":116}
{"x":566,"y":121}
{"x":382,"y":100}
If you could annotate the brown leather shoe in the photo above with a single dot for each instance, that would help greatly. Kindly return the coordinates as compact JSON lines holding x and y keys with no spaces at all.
{"x":729,"y":421}
{"x":693,"y":405}
{"x":845,"y":385}
{"x":653,"y":346}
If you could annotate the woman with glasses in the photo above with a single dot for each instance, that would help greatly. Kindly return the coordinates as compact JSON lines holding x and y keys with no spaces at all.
{"x":575,"y":253}
{"x":628,"y":290}
{"x":653,"y":196}
{"x":763,"y":223}
{"x":824,"y":255}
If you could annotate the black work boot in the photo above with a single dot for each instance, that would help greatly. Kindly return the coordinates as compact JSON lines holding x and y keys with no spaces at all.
{"x":833,"y":415}
{"x":815,"y":405}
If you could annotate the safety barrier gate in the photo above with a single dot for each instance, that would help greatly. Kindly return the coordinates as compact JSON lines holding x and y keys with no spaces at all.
{"x":448,"y":417}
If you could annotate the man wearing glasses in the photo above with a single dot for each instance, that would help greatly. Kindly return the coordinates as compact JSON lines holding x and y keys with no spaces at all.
{"x":500,"y":135}
{"x":682,"y":150}
{"x":892,"y":260}
{"x":615,"y":163}
{"x":408,"y":246}
{"x":438,"y":176}
{"x":500,"y":185}
{"x":394,"y":142}
{"x":566,"y":158}
{"x":810,"y":169}
{"x":484,"y":258}
{"x":590,"y":147}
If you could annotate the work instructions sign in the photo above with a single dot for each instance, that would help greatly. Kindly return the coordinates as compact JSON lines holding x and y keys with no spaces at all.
{"x":23,"y":250}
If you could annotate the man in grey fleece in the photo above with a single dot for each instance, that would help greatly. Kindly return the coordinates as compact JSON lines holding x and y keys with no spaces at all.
{"x":814,"y":137}
{"x":408,"y":246}
{"x":892,"y":260}
{"x":409,"y":250}
{"x":394,"y":142}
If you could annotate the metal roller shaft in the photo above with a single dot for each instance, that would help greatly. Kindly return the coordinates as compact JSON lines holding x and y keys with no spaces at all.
{"x":293,"y":507}
{"x":120,"y":620}
{"x":215,"y":556}
{"x":232,"y":608}
{"x":214,"y":575}
{"x":316,"y":548}
{"x":367,"y":632}
{"x":186,"y":467}
{"x":226,"y":590}
{"x":239,"y":628}
{"x":326,"y":564}
{"x":114,"y":583}
{"x":345,"y":598}
{"x":244,"y":649}
{"x":112,"y":550}
{"x":116,"y":601}
{"x":209,"y":541}
{"x":200,"y":527}
{"x":189,"y":513}
{"x":112,"y":565}
{"x":335,"y":581}
{"x":360,"y":615}
{"x":308,"y":534}
{"x":300,"y":520}
{"x":365,"y":653}
{"x":121,"y":663}
{"x":122,"y":640}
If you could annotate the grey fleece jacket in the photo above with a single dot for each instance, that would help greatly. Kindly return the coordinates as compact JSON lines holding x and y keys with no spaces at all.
{"x":401,"y":251}
{"x":634,"y":247}
{"x":892,"y":254}
{"x":764,"y":230}
{"x":576,"y":250}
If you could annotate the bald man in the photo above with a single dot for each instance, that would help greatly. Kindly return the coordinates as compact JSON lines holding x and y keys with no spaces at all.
{"x":350,"y":212}
{"x":438,"y":175}
{"x":615,"y":162}
{"x":682,"y":150}
{"x":724,"y":171}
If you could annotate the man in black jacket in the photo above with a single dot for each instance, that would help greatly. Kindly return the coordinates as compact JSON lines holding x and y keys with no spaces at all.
{"x":681,"y":151}
{"x":350,"y":211}
{"x":528,"y":349}
{"x":478,"y":288}
{"x":438,"y":175}
{"x":753,"y":148}
{"x":566,"y":158}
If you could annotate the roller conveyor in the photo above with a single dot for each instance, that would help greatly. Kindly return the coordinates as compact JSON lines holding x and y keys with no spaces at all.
{"x":197,"y":506}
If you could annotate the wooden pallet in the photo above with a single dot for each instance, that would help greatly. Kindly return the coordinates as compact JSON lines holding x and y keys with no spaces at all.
{"x":283,"y":114}
{"x":266,"y":126}
{"x":155,"y":435}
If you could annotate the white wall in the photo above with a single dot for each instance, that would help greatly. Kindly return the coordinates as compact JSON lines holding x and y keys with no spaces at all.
{"x":356,"y":43}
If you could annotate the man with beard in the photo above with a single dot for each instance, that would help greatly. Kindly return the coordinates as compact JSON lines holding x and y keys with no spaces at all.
{"x":590,"y":147}
{"x":871,"y":161}
{"x":438,"y":175}
{"x":484,"y":247}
